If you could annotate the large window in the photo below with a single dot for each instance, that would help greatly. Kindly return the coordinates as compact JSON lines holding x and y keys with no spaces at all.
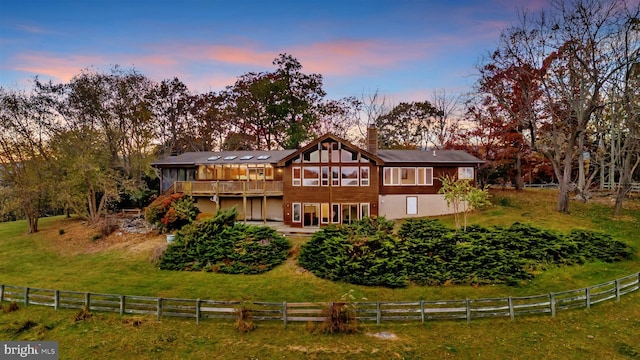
{"x":311,"y":176}
{"x":349,"y":176}
{"x":407,"y":176}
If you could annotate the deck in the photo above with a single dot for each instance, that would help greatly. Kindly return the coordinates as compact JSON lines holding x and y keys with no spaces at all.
{"x":230,"y":188}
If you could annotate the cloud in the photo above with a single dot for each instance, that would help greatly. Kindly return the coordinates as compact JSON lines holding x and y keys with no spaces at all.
{"x":61,"y":68}
{"x":31,"y":29}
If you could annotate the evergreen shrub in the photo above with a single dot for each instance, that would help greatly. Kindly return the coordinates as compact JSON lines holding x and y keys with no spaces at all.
{"x":219,"y":244}
{"x":426,"y":252}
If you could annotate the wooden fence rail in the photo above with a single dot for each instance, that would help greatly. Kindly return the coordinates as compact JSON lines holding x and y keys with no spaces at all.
{"x":284,"y":312}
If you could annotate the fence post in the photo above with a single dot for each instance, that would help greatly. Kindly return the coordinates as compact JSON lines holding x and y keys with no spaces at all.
{"x":159,"y":313}
{"x":378,"y":313}
{"x":468,"y":311}
{"x":1,"y":293}
{"x":87,"y":301}
{"x":552,"y":303}
{"x":198,"y":302}
{"x":122,"y":305}
{"x":56,"y":299}
{"x":618,"y":290}
{"x":26,"y":296}
{"x":512,"y":314}
{"x":587,"y":294}
{"x":422,"y":311}
{"x":284,"y":314}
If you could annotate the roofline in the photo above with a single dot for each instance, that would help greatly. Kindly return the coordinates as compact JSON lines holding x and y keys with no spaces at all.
{"x":315,"y":142}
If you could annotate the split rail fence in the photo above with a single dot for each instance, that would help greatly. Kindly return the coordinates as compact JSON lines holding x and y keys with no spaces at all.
{"x":284,"y":312}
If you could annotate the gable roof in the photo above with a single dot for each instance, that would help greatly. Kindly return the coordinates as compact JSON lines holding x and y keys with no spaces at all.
{"x":428,"y":156}
{"x":202,"y":158}
{"x":314,"y":144}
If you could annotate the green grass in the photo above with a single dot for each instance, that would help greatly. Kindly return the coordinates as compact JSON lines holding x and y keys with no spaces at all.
{"x":607,"y":330}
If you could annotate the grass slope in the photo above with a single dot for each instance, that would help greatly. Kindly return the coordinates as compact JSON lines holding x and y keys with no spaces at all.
{"x":71,"y":261}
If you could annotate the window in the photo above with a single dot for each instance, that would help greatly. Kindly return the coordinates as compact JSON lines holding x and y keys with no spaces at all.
{"x":213,"y":158}
{"x":364,"y":210}
{"x":465,"y":173}
{"x":335,"y":152}
{"x":364,"y":176}
{"x":310,"y":176}
{"x":230,"y":157}
{"x":349,"y":213}
{"x":425,"y":176}
{"x":296,"y":176}
{"x":324,"y":216}
{"x":412,"y":205}
{"x":312,"y":156}
{"x":408,"y":176}
{"x":348,"y":156}
{"x":246,"y":157}
{"x":349,"y":176}
{"x":335,"y":213}
{"x":297,"y":209}
{"x":391,"y":176}
{"x":263,"y":157}
{"x":335,"y":176}
{"x":325,"y":176}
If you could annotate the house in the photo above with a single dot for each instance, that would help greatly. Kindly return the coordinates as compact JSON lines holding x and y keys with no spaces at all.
{"x":329,"y":181}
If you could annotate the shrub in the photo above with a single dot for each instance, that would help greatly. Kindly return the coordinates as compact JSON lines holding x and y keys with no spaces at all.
{"x":171,"y":212}
{"x":245,"y":323}
{"x":219,"y":244}
{"x":427,"y":253}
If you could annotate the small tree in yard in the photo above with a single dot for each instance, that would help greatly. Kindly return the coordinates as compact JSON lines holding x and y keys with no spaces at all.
{"x":461,"y":193}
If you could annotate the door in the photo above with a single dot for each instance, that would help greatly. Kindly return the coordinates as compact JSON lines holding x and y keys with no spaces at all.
{"x":311,"y":215}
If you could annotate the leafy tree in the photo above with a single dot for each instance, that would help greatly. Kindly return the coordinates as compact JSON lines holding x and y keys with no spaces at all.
{"x":25,"y":174}
{"x":573,"y":53}
{"x":105,"y":131}
{"x":276,"y":109}
{"x":407,"y":125}
{"x":462,"y":196}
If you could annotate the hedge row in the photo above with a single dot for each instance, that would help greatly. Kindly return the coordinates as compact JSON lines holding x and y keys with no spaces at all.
{"x":426,"y":252}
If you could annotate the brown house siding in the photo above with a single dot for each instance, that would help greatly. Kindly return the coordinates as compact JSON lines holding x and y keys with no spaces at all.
{"x":329,"y":194}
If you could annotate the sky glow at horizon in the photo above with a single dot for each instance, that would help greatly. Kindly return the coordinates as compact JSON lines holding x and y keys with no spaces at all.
{"x":404,"y":49}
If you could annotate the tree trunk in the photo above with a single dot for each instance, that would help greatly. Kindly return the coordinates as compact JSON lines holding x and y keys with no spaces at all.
{"x":32,"y":216}
{"x":582,"y":191}
{"x":625,"y":181}
{"x":519,"y":184}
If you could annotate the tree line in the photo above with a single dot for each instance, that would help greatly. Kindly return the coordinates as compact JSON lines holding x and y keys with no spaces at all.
{"x":557,"y":101}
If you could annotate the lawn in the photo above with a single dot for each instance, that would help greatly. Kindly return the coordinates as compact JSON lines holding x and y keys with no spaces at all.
{"x":63,"y":256}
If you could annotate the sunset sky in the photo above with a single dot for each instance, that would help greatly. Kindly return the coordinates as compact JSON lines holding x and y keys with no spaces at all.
{"x":404,"y":49}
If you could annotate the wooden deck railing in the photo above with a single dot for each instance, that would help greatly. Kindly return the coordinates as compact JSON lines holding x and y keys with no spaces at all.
{"x":209,"y":188}
{"x":377,"y":312}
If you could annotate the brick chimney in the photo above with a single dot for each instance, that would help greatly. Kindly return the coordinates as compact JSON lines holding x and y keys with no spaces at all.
{"x":372,"y":140}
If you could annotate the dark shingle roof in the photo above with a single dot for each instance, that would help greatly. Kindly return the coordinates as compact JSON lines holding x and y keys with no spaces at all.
{"x":427,"y":156}
{"x":201,"y":157}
